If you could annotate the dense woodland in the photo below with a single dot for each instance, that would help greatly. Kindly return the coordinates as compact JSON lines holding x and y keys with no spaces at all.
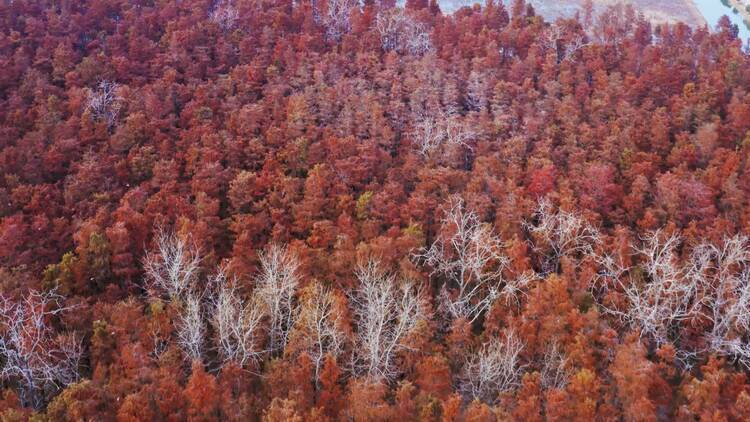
{"x":325,"y":210}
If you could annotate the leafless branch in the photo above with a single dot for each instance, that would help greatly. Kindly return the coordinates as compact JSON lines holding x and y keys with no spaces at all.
{"x":660,"y":299}
{"x":225,"y":16}
{"x":493,"y":370}
{"x":34,"y":357}
{"x":174,"y":269}
{"x":276,"y":286}
{"x":431,"y":132}
{"x":336,"y":18}
{"x":468,"y":254}
{"x":317,"y":330}
{"x":575,"y":45}
{"x":386,"y":312}
{"x":236,"y":323}
{"x":104,"y":103}
{"x":722,"y":277}
{"x":553,"y":39}
{"x":561,"y":233}
{"x":191,"y":329}
{"x":555,"y":369}
{"x":402,"y":33}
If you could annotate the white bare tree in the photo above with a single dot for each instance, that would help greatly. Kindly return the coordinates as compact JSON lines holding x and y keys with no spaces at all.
{"x":386,"y":312}
{"x":468,"y":254}
{"x":576,"y":44}
{"x":428,"y":134}
{"x":400,"y":32}
{"x":104,"y":103}
{"x":722,"y":276}
{"x":553,"y":39}
{"x":658,"y":292}
{"x":191,"y":328}
{"x":237,"y":324}
{"x":172,"y":270}
{"x":336,"y":17}
{"x":493,"y":370}
{"x":276,"y":286}
{"x":559,"y":234}
{"x":556,"y":371}
{"x":431,"y":131}
{"x":33,"y":356}
{"x":224,"y":15}
{"x":318,"y":329}
{"x":661,"y":295}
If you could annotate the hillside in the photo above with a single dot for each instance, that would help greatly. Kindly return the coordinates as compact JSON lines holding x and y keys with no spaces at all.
{"x":316,"y":211}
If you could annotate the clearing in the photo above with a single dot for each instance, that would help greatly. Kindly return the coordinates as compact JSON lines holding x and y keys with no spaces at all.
{"x":658,"y":11}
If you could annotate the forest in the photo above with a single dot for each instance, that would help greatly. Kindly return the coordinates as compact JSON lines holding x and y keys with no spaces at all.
{"x":328,"y":210}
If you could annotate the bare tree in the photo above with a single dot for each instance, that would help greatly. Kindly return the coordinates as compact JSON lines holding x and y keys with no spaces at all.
{"x":431,"y":131}
{"x":276,"y":286}
{"x":561,"y":233}
{"x":236,"y":323}
{"x":174,"y":269}
{"x":555,"y":369}
{"x":551,"y":37}
{"x":402,"y":33}
{"x":428,"y":134}
{"x":468,"y":255}
{"x":713,"y":285}
{"x":554,"y":39}
{"x":336,"y":18}
{"x":658,"y":293}
{"x":722,"y":276}
{"x":104,"y":103}
{"x":191,"y":330}
{"x":318,"y":329}
{"x":493,"y":370}
{"x":576,"y":44}
{"x":32,"y":355}
{"x":386,"y":312}
{"x":224,"y":15}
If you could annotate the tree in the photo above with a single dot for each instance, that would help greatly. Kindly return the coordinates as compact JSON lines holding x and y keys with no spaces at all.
{"x":331,"y":394}
{"x":722,"y":275}
{"x":336,"y":18}
{"x":191,"y":330}
{"x":276,"y":286}
{"x":468,"y":255}
{"x":281,"y":410}
{"x":400,"y":32}
{"x":174,"y":269}
{"x":202,"y":394}
{"x":434,"y":130}
{"x":556,"y":371}
{"x":559,"y":234}
{"x":236,"y":323}
{"x":224,"y":15}
{"x":493,"y":369}
{"x":318,"y":329}
{"x":84,"y":400}
{"x":386,"y":312}
{"x":564,"y":46}
{"x":34,"y":357}
{"x":104,"y":103}
{"x":685,"y":198}
{"x":658,"y":302}
{"x":634,"y":374}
